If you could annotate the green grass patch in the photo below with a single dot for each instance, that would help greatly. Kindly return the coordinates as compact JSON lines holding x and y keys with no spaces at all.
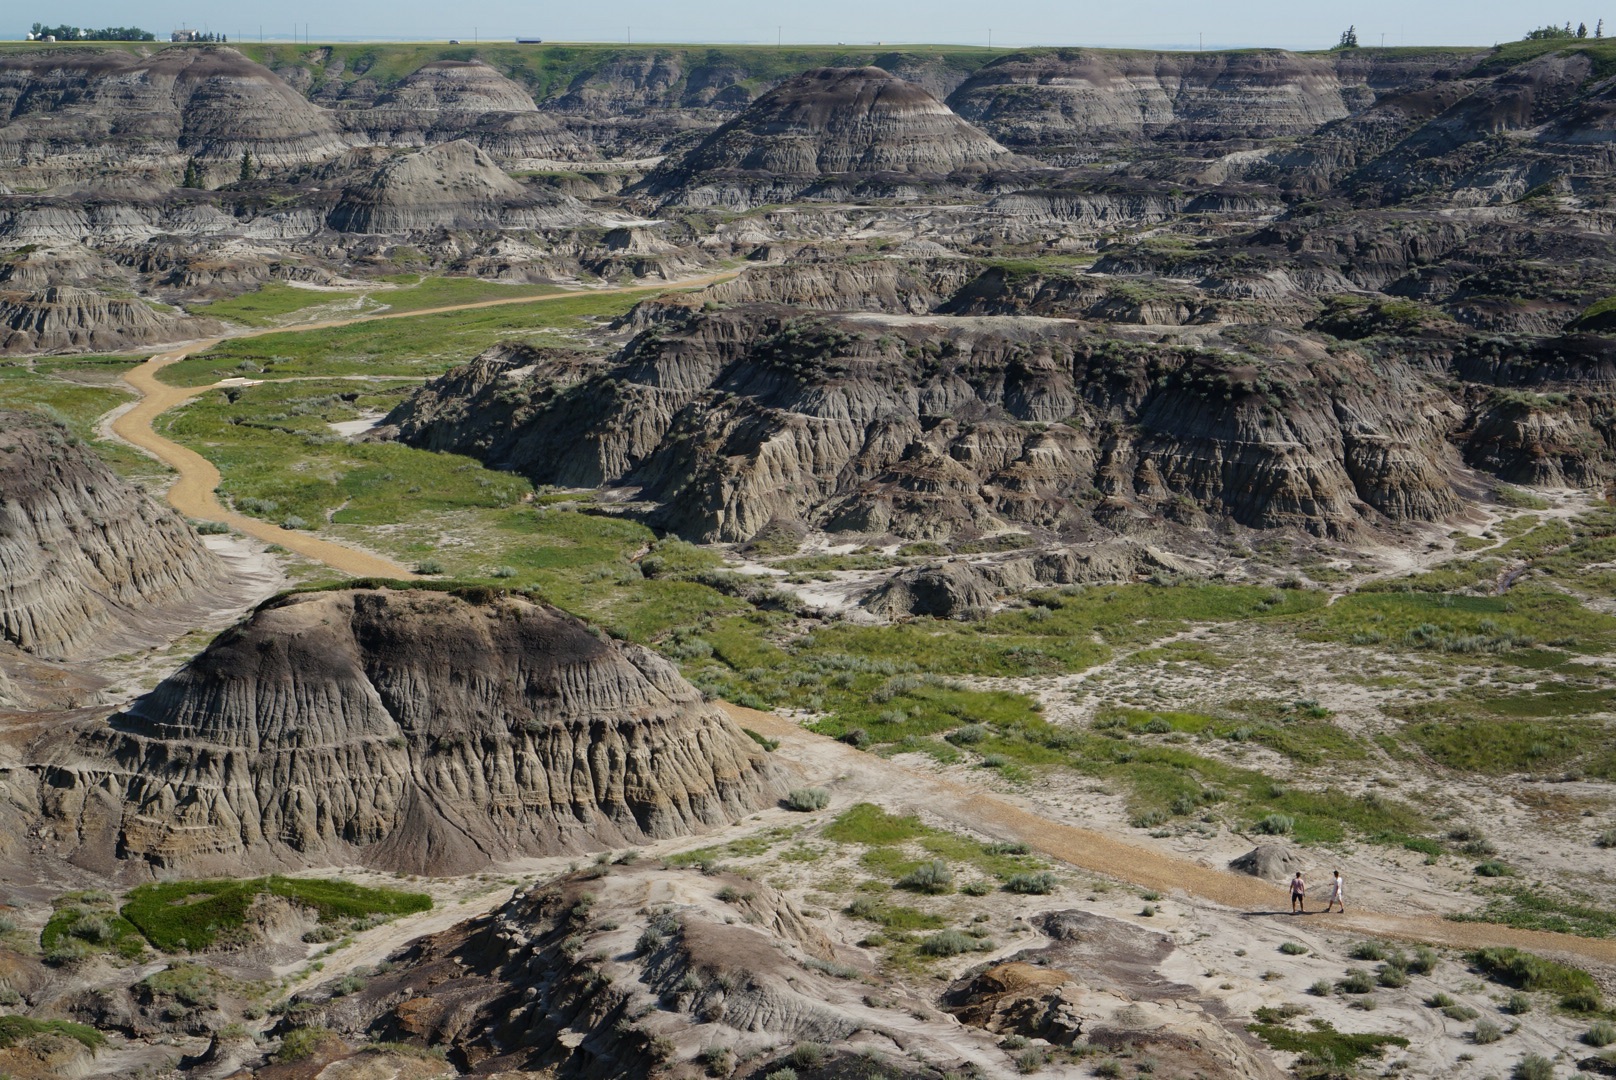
{"x":1324,"y":1045}
{"x":1458,"y":739}
{"x":271,"y":304}
{"x":88,"y":922}
{"x":420,"y":346}
{"x":16,"y":1029}
{"x":896,"y":845}
{"x":191,"y":916}
{"x":1528,"y":971}
{"x":1531,"y":910}
{"x":1508,"y":627}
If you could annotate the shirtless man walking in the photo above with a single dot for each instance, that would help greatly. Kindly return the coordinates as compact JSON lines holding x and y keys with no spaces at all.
{"x":1298,"y":894}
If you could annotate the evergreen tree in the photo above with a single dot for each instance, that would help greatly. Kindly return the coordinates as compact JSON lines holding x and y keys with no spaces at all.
{"x":249,"y":168}
{"x":193,"y":175}
{"x":1349,"y":38}
{"x":1599,"y":29}
{"x":1582,"y":30}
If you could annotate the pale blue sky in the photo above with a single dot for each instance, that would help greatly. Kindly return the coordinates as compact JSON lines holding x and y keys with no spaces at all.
{"x":1136,"y":23}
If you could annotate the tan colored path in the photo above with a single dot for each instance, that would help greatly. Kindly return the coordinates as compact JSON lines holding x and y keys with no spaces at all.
{"x":194,"y":492}
{"x":1089,"y":849}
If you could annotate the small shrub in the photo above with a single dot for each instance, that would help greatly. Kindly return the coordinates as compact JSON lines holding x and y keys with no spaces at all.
{"x":1601,"y":1033}
{"x":1533,"y":1067}
{"x":807,"y":800}
{"x":1293,"y":948}
{"x":1391,"y":977}
{"x":929,"y":877}
{"x":807,"y":1055}
{"x":978,"y":887}
{"x":1494,"y":868}
{"x":1424,"y":960}
{"x":1030,"y":1061}
{"x":948,"y":943}
{"x":782,"y":1074}
{"x":429,"y":567}
{"x":1321,"y":988}
{"x":1487,"y":1031}
{"x":649,"y":942}
{"x":1439,"y":1001}
{"x":994,"y":761}
{"x":1368,"y":950}
{"x":1461,"y":1013}
{"x":1358,"y":981}
{"x":1040,"y":883}
{"x":969,"y":735}
{"x":299,"y":1044}
{"x":1275,"y":825}
{"x":1111,"y":1069}
{"x":503,"y":572}
{"x":1606,"y":839}
{"x":1008,"y":847}
{"x":718,"y":1060}
{"x":293,"y":522}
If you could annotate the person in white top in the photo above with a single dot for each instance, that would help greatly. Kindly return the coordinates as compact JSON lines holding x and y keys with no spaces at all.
{"x":1335,"y":894}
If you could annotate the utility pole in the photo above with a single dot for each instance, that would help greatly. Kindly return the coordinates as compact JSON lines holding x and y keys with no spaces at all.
{"x":779,"y":38}
{"x":1383,"y":39}
{"x":1200,"y":40}
{"x":990,"y":37}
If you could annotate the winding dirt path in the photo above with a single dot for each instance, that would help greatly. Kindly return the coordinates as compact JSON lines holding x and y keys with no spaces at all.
{"x":825,"y":759}
{"x":194,"y":492}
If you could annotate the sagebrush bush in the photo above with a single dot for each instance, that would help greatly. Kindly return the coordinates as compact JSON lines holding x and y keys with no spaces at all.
{"x":1293,"y":948}
{"x":1487,"y":1031}
{"x":807,"y":800}
{"x":1040,"y":883}
{"x":948,"y":943}
{"x":1357,"y":981}
{"x":1601,"y":1033}
{"x":1275,"y":825}
{"x":1533,"y":1067}
{"x":929,"y":877}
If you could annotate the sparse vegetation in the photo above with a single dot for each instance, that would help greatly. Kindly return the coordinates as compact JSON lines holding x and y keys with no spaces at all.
{"x":808,"y":800}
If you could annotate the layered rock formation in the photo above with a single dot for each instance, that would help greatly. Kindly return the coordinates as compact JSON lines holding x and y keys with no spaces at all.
{"x":70,"y":115}
{"x":407,"y":730}
{"x":828,"y":133}
{"x":87,"y":563}
{"x":931,"y":427}
{"x":451,"y":186}
{"x":62,"y":318}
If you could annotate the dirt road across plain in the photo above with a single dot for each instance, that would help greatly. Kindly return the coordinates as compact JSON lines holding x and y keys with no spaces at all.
{"x":824,"y":760}
{"x":194,"y":493}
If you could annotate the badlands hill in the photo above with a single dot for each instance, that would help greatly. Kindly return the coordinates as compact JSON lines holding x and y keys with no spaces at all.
{"x":831,"y":130}
{"x":87,"y":564}
{"x":417,"y":731}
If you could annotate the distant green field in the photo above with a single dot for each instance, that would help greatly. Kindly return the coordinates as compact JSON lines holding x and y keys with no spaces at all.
{"x":273,"y":303}
{"x":423,"y":346}
{"x":189,"y":916}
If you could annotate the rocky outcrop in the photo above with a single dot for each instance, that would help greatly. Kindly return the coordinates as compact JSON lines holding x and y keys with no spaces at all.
{"x":827,"y":133}
{"x":566,"y":980}
{"x":407,"y":730}
{"x":87,"y":563}
{"x":931,"y":427}
{"x":452,"y":186}
{"x":1271,"y":862}
{"x":60,"y":318}
{"x":962,"y":588}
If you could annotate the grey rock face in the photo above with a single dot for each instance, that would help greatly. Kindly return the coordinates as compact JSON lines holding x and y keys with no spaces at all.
{"x":407,"y":730}
{"x":934,"y":427}
{"x":85,"y":559}
{"x":454,"y":185}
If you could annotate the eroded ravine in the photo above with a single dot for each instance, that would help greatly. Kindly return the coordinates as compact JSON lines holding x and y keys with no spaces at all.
{"x":194,"y":492}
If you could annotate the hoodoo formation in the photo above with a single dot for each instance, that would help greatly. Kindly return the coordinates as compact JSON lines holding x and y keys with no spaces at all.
{"x":424,"y":732}
{"x":87,"y":563}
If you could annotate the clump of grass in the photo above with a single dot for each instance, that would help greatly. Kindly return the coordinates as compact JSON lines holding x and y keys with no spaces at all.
{"x":1368,"y":950}
{"x":1518,"y":1004}
{"x":1600,"y":1033}
{"x":1321,"y":988}
{"x":1424,"y":961}
{"x":1486,"y":1032}
{"x":1357,"y":981}
{"x":951,"y":943}
{"x":807,"y":800}
{"x":1460,"y":1012}
{"x":1391,"y":976}
{"x":1293,"y":948}
{"x":1533,"y":1067}
{"x":14,"y":1029}
{"x":808,"y":1055}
